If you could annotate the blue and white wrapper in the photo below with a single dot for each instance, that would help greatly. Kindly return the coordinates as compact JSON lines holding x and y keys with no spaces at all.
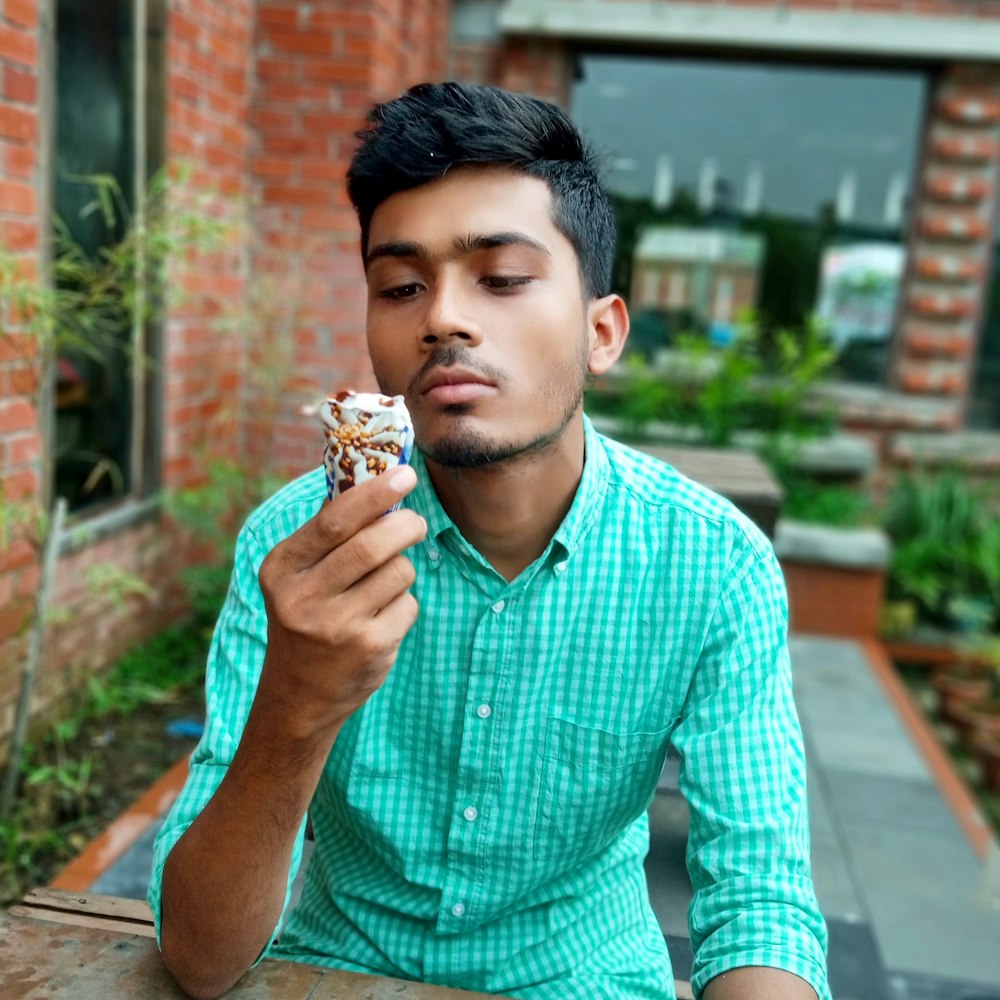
{"x":366,"y":434}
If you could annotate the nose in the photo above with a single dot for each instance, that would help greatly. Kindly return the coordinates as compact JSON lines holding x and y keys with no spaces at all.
{"x":448,"y":316}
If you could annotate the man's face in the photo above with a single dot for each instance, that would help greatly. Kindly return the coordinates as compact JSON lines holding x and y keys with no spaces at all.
{"x":476,"y":315}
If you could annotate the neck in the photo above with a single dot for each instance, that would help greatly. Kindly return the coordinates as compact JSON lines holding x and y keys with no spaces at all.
{"x":510,"y":511}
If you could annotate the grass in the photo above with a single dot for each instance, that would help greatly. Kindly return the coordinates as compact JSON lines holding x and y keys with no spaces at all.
{"x":102,"y":751}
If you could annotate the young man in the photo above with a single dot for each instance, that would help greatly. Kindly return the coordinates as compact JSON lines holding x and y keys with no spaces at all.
{"x":473,"y":695}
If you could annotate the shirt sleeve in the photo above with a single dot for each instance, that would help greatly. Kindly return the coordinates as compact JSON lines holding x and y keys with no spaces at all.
{"x":235,"y":660}
{"x":744,"y":777}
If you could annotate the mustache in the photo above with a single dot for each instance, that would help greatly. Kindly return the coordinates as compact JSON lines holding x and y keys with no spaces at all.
{"x":455,"y":355}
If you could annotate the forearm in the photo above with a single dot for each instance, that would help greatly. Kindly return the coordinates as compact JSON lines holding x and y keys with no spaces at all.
{"x":758,"y":983}
{"x":224,"y":882}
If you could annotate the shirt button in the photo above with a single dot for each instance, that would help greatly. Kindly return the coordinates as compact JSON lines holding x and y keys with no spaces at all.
{"x":484,"y":711}
{"x":458,"y":909}
{"x":433,"y":555}
{"x":470,"y":813}
{"x":498,"y":607}
{"x":560,"y":567}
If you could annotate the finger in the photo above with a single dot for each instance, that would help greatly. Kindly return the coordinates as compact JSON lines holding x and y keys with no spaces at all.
{"x":398,"y":617}
{"x":370,"y":548}
{"x":343,"y":517}
{"x":379,"y":588}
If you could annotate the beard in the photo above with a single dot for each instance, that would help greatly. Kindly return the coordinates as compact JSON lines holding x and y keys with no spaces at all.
{"x":467,"y":447}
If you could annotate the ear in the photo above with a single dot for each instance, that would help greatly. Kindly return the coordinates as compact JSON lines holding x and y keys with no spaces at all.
{"x":607,"y":326}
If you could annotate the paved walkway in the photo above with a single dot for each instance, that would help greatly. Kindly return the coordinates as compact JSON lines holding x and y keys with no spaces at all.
{"x":906,"y":872}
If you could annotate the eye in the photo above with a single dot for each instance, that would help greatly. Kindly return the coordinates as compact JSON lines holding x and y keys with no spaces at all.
{"x":505,"y":282}
{"x":400,"y":292}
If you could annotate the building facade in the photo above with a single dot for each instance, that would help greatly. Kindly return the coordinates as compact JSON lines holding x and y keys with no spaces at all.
{"x":827,"y":132}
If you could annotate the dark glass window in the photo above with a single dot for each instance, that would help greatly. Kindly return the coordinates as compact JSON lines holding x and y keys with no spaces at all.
{"x":779,"y":189}
{"x":100,"y":132}
{"x":984,"y":408}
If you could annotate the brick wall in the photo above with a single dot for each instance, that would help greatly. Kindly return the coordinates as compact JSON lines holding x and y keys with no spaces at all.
{"x":20,"y":437}
{"x":954,"y":217}
{"x":319,"y":68}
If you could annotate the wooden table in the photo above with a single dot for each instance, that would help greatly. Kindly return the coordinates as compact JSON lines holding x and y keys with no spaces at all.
{"x":71,"y":946}
{"x":740,"y":476}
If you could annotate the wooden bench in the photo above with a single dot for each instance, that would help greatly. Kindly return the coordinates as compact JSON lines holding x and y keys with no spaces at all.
{"x":111,"y":939}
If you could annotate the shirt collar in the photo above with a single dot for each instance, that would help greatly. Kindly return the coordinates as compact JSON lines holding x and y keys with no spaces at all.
{"x":582,"y":513}
{"x":590,"y":493}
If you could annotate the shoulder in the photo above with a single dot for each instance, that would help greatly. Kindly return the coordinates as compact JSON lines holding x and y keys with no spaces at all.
{"x":287,"y":510}
{"x":660,"y":493}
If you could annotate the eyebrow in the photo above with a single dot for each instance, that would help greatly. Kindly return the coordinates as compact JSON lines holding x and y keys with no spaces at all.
{"x":462,"y":246}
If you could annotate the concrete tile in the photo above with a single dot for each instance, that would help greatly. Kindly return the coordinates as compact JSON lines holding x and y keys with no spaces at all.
{"x":128,"y":877}
{"x":919,"y":867}
{"x":854,"y":965}
{"x":946,"y":938}
{"x":908,"y":986}
{"x":822,"y":829}
{"x":903,"y":804}
{"x":834,"y":881}
{"x":666,"y":868}
{"x":877,"y":754}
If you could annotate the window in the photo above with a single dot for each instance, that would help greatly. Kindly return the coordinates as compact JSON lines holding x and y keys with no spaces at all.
{"x":108,"y":124}
{"x":984,"y":409}
{"x":774,"y":188}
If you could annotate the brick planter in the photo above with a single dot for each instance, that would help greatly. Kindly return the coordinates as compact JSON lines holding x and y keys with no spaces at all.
{"x":835,"y":577}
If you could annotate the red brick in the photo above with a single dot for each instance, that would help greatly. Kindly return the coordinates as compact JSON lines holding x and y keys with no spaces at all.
{"x":275,"y":121}
{"x":19,"y":85}
{"x":23,"y":448}
{"x":317,"y":145}
{"x":20,"y":485}
{"x":303,"y":44}
{"x":296,"y":194}
{"x":27,"y":582}
{"x":17,"y":234}
{"x":332,"y":122}
{"x":294,"y":93}
{"x":22,"y":12}
{"x":16,"y":415}
{"x":342,"y":20}
{"x":20,"y":161}
{"x":281,"y":18}
{"x":18,"y":45}
{"x":16,"y":123}
{"x":14,"y":617}
{"x":277,"y":69}
{"x":19,"y":553}
{"x":276,"y":166}
{"x":338,"y":71}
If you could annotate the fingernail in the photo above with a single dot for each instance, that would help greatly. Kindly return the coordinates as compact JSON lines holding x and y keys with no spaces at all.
{"x":402,"y":478}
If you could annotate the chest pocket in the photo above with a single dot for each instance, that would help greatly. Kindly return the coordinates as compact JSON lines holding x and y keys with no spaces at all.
{"x":594,"y":783}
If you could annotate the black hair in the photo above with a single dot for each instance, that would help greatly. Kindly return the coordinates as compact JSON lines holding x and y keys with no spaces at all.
{"x":419,"y":136}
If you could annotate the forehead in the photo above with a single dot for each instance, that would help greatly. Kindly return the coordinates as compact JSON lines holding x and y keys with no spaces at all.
{"x":469,"y":200}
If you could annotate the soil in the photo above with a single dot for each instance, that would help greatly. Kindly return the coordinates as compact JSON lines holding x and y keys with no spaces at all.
{"x":55,"y":819}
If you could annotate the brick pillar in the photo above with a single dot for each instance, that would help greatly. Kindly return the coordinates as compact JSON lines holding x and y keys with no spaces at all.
{"x":319,"y":69}
{"x":951,"y":245}
{"x":21,"y":476}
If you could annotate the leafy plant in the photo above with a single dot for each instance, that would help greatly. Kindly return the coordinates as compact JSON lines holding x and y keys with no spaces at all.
{"x":821,"y":503}
{"x":758,"y":382}
{"x":95,"y":306}
{"x":946,"y":545}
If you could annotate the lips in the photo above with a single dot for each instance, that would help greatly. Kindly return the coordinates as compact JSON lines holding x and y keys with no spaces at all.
{"x":447,"y":386}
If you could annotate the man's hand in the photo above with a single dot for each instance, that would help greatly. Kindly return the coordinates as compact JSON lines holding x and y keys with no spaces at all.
{"x":337,"y":609}
{"x":337,"y":601}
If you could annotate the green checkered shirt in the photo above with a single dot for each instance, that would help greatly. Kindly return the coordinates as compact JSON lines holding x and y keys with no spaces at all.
{"x":481,"y":821}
